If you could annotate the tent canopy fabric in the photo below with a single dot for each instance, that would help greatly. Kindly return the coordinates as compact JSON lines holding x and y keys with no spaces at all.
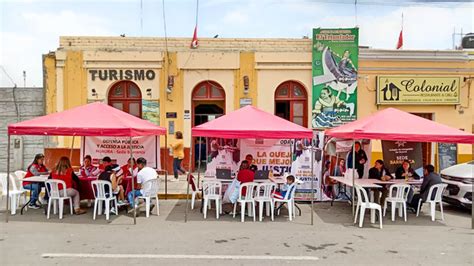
{"x":394,"y":124}
{"x":253,"y":123}
{"x":95,"y":119}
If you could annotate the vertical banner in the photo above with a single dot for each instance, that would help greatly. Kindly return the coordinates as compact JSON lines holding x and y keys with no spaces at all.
{"x":447,"y":155}
{"x":301,"y":169}
{"x":395,"y":152}
{"x":118,"y":149}
{"x":335,"y":64}
{"x":224,"y":154}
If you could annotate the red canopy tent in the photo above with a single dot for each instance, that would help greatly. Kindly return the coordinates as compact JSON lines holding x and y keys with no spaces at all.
{"x":250,"y":122}
{"x":95,"y":119}
{"x":394,"y":124}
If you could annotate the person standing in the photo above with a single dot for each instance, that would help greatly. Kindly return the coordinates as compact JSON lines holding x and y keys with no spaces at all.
{"x":360,"y":159}
{"x":430,"y":178}
{"x":178,"y":155}
{"x":145,"y":173}
{"x":36,"y":168}
{"x":64,"y":172}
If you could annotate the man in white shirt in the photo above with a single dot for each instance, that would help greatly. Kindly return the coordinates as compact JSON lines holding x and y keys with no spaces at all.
{"x":144,"y":174}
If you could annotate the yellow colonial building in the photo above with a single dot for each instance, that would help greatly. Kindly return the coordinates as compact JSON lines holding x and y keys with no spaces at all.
{"x":167,"y":82}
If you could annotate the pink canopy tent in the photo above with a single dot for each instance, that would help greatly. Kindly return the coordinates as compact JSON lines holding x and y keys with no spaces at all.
{"x":95,"y":119}
{"x":251,"y":122}
{"x":394,"y":124}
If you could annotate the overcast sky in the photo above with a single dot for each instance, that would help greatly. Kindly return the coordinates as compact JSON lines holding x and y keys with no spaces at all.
{"x":31,"y":28}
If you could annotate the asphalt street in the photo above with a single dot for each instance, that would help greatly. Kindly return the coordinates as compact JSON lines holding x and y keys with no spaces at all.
{"x":30,"y":239}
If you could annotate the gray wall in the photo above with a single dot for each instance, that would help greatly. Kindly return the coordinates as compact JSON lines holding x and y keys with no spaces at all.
{"x":30,"y":102}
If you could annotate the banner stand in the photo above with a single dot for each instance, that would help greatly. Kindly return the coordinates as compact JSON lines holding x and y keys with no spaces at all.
{"x":312,"y":183}
{"x":133,"y":184}
{"x":353,"y":177}
{"x":166,"y":167}
{"x":187,"y":183}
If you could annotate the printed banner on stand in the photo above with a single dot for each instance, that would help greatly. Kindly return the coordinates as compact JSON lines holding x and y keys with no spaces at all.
{"x":395,"y":152}
{"x":308,"y":169}
{"x":272,"y":155}
{"x":224,"y":154}
{"x":335,"y":65}
{"x":118,"y":149}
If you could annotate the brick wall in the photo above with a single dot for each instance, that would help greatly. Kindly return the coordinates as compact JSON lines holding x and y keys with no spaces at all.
{"x":30,"y":103}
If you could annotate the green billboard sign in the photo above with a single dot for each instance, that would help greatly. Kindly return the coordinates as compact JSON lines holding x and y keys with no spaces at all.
{"x":335,"y":66}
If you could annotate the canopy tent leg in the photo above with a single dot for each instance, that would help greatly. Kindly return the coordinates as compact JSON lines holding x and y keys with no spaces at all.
{"x":187,"y":182}
{"x":72,"y":147}
{"x":166,"y":167}
{"x":312,"y":182}
{"x":133,"y":185}
{"x":199,"y":160}
{"x":353,"y":176}
{"x":8,"y":180}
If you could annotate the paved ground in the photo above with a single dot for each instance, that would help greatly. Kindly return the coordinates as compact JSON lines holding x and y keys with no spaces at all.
{"x":166,"y":239}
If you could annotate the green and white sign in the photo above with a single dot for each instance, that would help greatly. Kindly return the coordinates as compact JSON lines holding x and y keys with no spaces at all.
{"x":335,"y":66}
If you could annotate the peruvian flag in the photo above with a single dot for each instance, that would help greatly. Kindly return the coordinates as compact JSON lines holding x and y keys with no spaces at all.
{"x":194,"y":42}
{"x":400,"y":40}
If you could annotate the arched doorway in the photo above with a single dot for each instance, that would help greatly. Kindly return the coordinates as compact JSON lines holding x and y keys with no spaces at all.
{"x":126,"y":96}
{"x":208,"y":103}
{"x":208,"y":100}
{"x":291,"y":102}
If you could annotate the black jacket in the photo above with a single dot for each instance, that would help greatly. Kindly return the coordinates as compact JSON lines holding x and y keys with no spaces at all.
{"x":399,"y":172}
{"x":375,"y":174}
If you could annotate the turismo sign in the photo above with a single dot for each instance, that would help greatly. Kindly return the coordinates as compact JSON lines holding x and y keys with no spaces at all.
{"x":418,"y":90}
{"x":122,"y":74}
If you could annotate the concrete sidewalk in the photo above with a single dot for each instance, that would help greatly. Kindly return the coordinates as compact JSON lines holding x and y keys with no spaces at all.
{"x":166,"y":239}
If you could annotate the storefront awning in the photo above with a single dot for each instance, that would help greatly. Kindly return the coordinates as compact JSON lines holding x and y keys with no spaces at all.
{"x":95,"y":119}
{"x":394,"y":124}
{"x":252,"y":123}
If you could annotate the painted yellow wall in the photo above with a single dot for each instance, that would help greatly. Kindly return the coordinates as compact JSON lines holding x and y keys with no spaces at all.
{"x":247,"y":68}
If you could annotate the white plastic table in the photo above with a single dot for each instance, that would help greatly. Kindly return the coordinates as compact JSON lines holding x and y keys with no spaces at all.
{"x":33,"y":179}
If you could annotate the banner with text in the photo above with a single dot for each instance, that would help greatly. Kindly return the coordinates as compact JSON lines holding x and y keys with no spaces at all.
{"x":395,"y":152}
{"x":272,"y":155}
{"x":118,"y":149}
{"x":335,"y":64}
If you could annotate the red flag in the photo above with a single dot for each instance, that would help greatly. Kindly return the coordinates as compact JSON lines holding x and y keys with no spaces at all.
{"x":195,"y":43}
{"x":400,"y":40}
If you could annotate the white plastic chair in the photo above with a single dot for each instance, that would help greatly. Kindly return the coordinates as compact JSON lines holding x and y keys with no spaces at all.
{"x":264,"y":195}
{"x":289,"y":200}
{"x":194,"y":188}
{"x":151,"y":192}
{"x":437,"y":199}
{"x":398,"y":196}
{"x":212,"y":191}
{"x":56,"y":194}
{"x":14,"y":194}
{"x":248,"y":198}
{"x":363,"y":203}
{"x":99,"y":188}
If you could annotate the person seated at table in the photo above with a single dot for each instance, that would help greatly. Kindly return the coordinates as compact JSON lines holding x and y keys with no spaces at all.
{"x":87,"y":169}
{"x":63,"y":171}
{"x":405,"y":171}
{"x":328,"y":183}
{"x":380,"y":172}
{"x":110,"y":174}
{"x":145,"y":173}
{"x":430,"y":178}
{"x":245,"y":175}
{"x":282,"y":193}
{"x":249,"y":159}
{"x":125,"y":169}
{"x":340,"y":169}
{"x":105,"y":162}
{"x":36,"y":168}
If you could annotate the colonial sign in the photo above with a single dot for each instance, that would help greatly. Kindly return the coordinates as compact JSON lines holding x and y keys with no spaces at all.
{"x":418,"y":90}
{"x":395,"y":152}
{"x":122,"y":74}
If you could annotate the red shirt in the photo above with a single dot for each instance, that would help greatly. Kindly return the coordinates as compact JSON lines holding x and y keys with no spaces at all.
{"x":245,"y":176}
{"x":67,"y":177}
{"x":125,"y":170}
{"x":40,"y":168}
